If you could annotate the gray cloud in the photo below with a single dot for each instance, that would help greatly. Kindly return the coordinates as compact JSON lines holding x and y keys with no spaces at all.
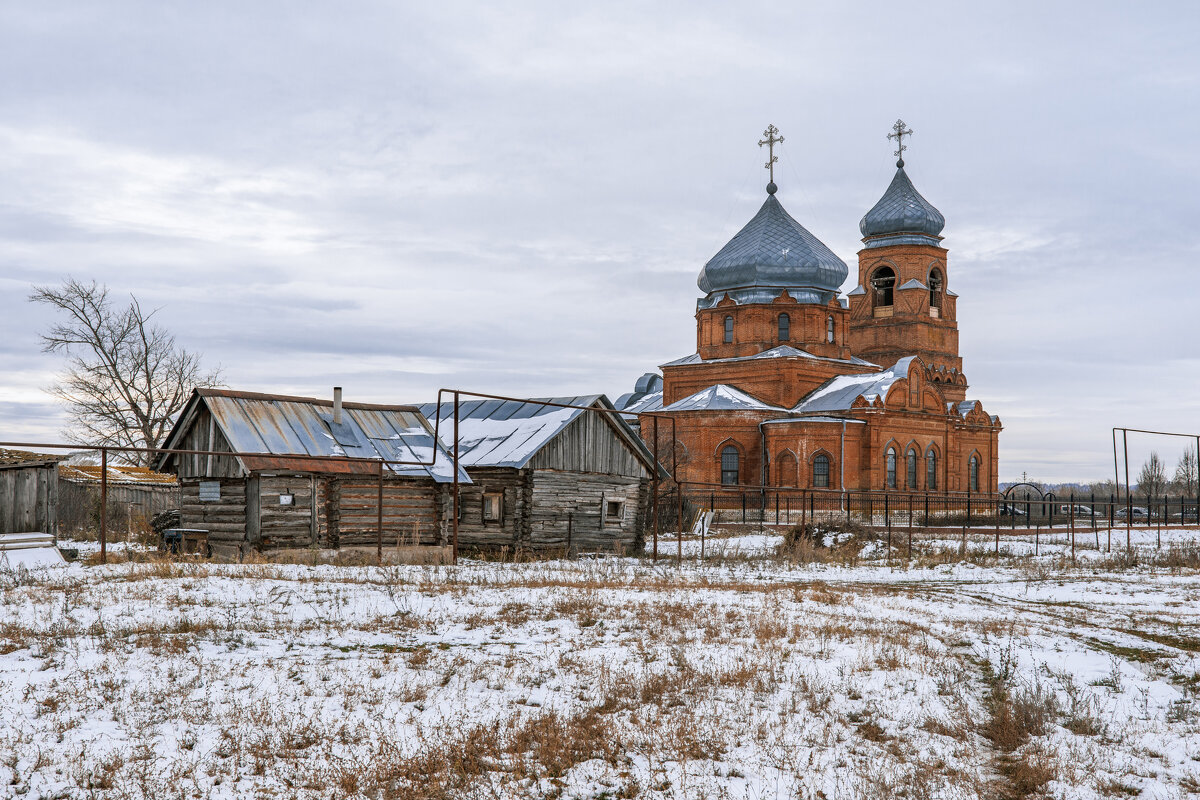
{"x":398,"y":197}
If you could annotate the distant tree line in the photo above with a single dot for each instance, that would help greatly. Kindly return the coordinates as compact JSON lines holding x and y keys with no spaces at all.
{"x":1154,"y":481}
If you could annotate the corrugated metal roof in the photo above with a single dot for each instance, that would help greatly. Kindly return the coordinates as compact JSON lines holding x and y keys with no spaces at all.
{"x":117,"y":473}
{"x":504,"y":433}
{"x":291,"y":426}
{"x":721,"y":397}
{"x":838,"y":394}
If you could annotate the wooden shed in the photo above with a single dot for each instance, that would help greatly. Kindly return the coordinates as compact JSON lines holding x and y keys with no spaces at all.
{"x":133,"y":492}
{"x":546,"y":478}
{"x":28,"y":492}
{"x":274,"y":500}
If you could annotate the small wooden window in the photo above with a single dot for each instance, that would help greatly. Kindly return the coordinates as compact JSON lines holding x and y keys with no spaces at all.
{"x":614,"y":512}
{"x":493,"y":507}
{"x":821,"y":471}
{"x":785,"y":327}
{"x":728,"y":330}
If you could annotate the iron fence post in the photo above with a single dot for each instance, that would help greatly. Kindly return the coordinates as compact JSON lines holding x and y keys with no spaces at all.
{"x":104,"y":505}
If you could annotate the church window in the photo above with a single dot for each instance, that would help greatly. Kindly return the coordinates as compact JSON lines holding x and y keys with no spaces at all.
{"x":785,"y":327}
{"x":829,"y":330}
{"x":821,"y":471}
{"x":973,"y":473}
{"x":729,"y":466}
{"x":911,"y":469}
{"x":728,"y":330}
{"x":935,"y":289}
{"x":883,"y":282}
{"x":891,"y":468}
{"x":931,"y":469}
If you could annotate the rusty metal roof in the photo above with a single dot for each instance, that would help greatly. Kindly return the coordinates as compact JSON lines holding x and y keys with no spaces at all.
{"x":286,"y":427}
{"x":117,"y":473}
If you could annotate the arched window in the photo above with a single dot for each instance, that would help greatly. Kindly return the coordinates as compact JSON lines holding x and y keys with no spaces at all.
{"x":728,"y":330}
{"x":936,"y":285}
{"x":930,"y":469}
{"x":891,"y":468}
{"x":911,"y":469}
{"x":785,"y":327}
{"x":829,"y":329}
{"x":821,"y":471}
{"x":729,"y":466}
{"x":786,"y":469}
{"x":883,"y":281}
{"x":973,"y":473}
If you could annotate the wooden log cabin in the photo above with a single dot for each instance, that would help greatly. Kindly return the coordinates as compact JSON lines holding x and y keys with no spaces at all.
{"x":548,"y":479}
{"x":266,"y":495}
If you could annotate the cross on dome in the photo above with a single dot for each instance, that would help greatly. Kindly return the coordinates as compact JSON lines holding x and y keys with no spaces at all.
{"x":899,"y":135}
{"x":770,"y":142}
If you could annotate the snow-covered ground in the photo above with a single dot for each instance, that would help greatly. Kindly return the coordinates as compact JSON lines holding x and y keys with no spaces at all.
{"x":832,"y":674}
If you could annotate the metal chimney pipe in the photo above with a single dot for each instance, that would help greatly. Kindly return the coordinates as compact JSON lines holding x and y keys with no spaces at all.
{"x":337,"y":405}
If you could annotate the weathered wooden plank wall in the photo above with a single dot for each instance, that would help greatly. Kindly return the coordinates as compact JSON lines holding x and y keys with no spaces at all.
{"x":29,"y":499}
{"x":203,"y":434}
{"x":287,"y":525}
{"x":590,"y":444}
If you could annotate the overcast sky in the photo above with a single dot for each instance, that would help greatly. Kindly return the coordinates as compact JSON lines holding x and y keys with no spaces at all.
{"x":517,"y":197}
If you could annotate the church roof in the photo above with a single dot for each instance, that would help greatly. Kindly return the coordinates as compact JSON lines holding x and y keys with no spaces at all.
{"x":782,"y":351}
{"x":902,"y":210}
{"x":839,"y":394}
{"x":721,"y":397}
{"x":775,"y":252}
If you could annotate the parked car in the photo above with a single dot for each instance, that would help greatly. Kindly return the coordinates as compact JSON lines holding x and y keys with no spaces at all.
{"x":1080,"y":511}
{"x":1013,"y":510}
{"x":1134,"y":514}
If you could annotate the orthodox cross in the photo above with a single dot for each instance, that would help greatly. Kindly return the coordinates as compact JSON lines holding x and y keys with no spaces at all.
{"x":899,"y":135}
{"x":770,"y":142}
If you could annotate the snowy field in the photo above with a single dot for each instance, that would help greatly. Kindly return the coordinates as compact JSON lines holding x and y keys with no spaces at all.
{"x":833,"y":673}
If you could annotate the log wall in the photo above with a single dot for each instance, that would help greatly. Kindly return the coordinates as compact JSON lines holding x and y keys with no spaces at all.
{"x":224,"y":519}
{"x":511,"y":529}
{"x":410,"y":511}
{"x":573,"y":504}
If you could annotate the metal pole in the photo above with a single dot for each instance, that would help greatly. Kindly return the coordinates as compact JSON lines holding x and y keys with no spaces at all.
{"x":457,"y":456}
{"x":379,"y":517}
{"x":679,"y":511}
{"x":1072,"y":528}
{"x":1128,"y":496}
{"x":654,"y":492}
{"x":570,"y":531}
{"x":104,"y":506}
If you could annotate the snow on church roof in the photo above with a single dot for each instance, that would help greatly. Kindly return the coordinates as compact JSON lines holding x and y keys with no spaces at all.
{"x":839,"y":394}
{"x":721,"y":397}
{"x":782,"y":351}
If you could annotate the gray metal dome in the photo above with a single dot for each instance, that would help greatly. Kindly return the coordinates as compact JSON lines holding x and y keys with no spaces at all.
{"x":902,"y":210}
{"x":772,"y":253}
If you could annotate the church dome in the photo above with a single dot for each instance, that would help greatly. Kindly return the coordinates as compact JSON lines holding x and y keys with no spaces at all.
{"x":772,"y":253}
{"x":902,"y":210}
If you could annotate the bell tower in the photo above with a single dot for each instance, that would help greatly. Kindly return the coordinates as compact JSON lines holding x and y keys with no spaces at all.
{"x":903,"y":305}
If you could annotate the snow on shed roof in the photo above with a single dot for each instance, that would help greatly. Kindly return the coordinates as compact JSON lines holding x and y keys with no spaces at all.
{"x":290,"y":426}
{"x":23,"y":458}
{"x":838,"y":394}
{"x":117,"y":473}
{"x":721,"y":397}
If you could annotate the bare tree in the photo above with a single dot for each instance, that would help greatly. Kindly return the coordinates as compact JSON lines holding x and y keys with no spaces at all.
{"x":1186,"y":473}
{"x":126,"y":379}
{"x":1152,"y":480}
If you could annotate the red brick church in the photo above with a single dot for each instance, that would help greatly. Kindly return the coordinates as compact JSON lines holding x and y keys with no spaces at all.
{"x":793,"y":384}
